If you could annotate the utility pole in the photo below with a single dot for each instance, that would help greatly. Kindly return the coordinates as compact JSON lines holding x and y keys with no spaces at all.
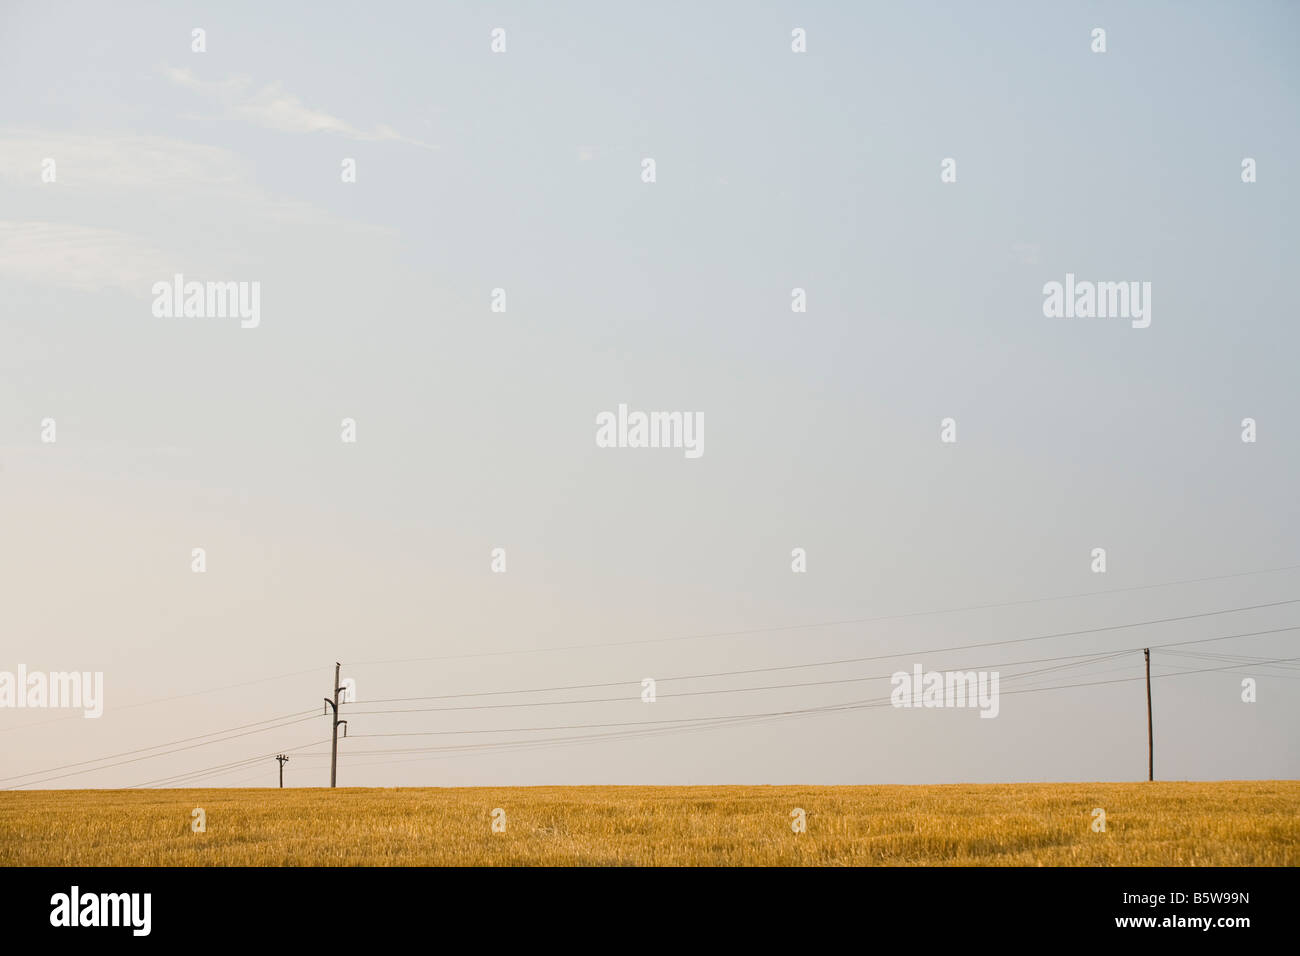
{"x":283,"y":760}
{"x":334,"y":748}
{"x":1151,"y":756}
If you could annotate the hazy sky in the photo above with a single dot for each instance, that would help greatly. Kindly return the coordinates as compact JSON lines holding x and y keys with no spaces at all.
{"x":475,"y":429}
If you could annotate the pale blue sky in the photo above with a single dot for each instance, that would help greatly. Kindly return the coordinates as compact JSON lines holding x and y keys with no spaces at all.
{"x":475,"y":429}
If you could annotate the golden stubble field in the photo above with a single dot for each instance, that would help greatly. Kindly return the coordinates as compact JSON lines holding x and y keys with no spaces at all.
{"x":1147,"y":824}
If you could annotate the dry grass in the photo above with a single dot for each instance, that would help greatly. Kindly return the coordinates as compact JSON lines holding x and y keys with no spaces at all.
{"x":1157,"y":824}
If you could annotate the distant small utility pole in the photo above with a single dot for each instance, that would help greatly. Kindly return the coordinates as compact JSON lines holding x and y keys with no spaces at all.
{"x":334,"y":748}
{"x":1151,"y":756}
{"x":283,"y":760}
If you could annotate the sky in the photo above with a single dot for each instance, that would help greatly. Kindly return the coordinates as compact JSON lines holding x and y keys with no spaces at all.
{"x":523,"y":170}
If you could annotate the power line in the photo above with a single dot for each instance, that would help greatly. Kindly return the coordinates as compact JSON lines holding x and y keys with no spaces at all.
{"x":1243,"y":659}
{"x":184,"y":740}
{"x":163,"y":700}
{"x":209,"y":771}
{"x":309,"y":714}
{"x":688,"y":725}
{"x":735,"y":633}
{"x":859,"y":660}
{"x":32,"y":783}
{"x":639,"y":723}
{"x":861,"y":620}
{"x":205,"y":772}
{"x":191,"y":775}
{"x":1092,"y":658}
{"x":728,"y":719}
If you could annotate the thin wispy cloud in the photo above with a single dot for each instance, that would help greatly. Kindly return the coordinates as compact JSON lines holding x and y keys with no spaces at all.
{"x":150,"y":187}
{"x":275,"y":108}
{"x":83,"y":257}
{"x":119,"y":161}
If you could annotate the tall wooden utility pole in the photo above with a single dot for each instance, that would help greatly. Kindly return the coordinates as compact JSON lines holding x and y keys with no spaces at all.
{"x":1151,"y":756}
{"x":334,"y":747}
{"x":283,"y":760}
